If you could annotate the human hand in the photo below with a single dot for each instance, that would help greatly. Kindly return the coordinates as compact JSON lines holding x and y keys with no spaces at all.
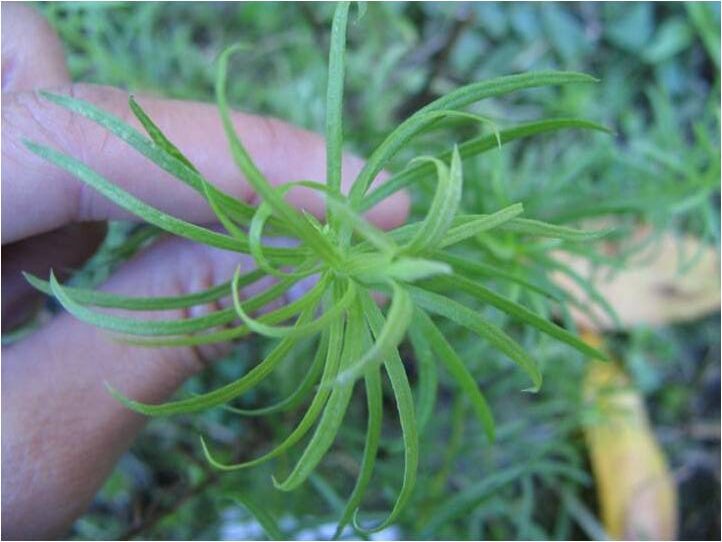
{"x":63,"y":432}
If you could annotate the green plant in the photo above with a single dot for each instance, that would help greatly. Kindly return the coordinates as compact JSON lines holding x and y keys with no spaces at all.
{"x":422,"y":266}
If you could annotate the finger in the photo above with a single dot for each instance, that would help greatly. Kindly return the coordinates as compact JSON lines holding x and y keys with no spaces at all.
{"x":56,"y":455}
{"x":38,"y":196}
{"x":32,"y":55}
{"x":64,"y":250}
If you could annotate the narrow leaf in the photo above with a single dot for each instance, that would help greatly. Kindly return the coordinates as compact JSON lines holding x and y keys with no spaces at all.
{"x":459,"y":98}
{"x":428,"y":383}
{"x":224,"y":393}
{"x":146,"y":212}
{"x":295,"y":331}
{"x":157,"y":135}
{"x":334,"y":99}
{"x":413,"y":269}
{"x":396,"y":323}
{"x":476,"y":268}
{"x":544,"y":229}
{"x":251,"y":304}
{"x":462,"y":226}
{"x":335,"y":410}
{"x":458,"y":370}
{"x":372,"y":234}
{"x":443,"y":207}
{"x":310,"y":377}
{"x":295,"y":221}
{"x":261,"y":515}
{"x":475,"y":226}
{"x":519,"y":312}
{"x":98,"y":298}
{"x":138,"y":327}
{"x":374,"y":401}
{"x":333,"y":358}
{"x":466,"y":317}
{"x":160,"y":156}
{"x":473,"y":147}
{"x":405,"y":405}
{"x":255,"y":233}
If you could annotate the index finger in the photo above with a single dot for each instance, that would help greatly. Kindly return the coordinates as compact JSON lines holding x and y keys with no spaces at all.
{"x":38,"y":197}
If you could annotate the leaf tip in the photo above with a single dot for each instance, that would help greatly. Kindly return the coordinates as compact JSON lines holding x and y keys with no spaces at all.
{"x":362,"y":8}
{"x":125,"y":401}
{"x":281,"y":486}
{"x":537,"y":381}
{"x":47,"y":95}
{"x":31,"y":145}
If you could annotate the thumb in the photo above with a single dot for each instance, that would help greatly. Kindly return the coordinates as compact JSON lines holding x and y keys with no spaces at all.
{"x":32,"y":55}
{"x":63,"y":432}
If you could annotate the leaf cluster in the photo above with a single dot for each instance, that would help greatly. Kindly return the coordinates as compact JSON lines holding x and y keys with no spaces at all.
{"x":422,"y":267}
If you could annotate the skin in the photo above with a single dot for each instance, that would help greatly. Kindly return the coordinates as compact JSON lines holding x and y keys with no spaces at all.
{"x":62,"y":432}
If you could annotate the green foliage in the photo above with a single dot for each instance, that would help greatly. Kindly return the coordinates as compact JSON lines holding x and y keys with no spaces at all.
{"x":360,"y":357}
{"x":662,"y":167}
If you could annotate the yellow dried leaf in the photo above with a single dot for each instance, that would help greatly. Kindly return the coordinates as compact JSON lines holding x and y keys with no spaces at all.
{"x":651,"y":290}
{"x":636,"y":492}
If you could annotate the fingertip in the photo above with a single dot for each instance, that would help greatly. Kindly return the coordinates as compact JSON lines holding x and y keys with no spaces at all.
{"x":391,"y":212}
{"x":32,"y":53}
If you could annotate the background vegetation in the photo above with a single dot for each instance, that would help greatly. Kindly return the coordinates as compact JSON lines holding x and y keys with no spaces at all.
{"x":659,"y":66}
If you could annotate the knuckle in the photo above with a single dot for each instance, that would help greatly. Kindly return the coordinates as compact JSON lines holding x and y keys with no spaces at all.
{"x":28,"y":116}
{"x":190,"y":273}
